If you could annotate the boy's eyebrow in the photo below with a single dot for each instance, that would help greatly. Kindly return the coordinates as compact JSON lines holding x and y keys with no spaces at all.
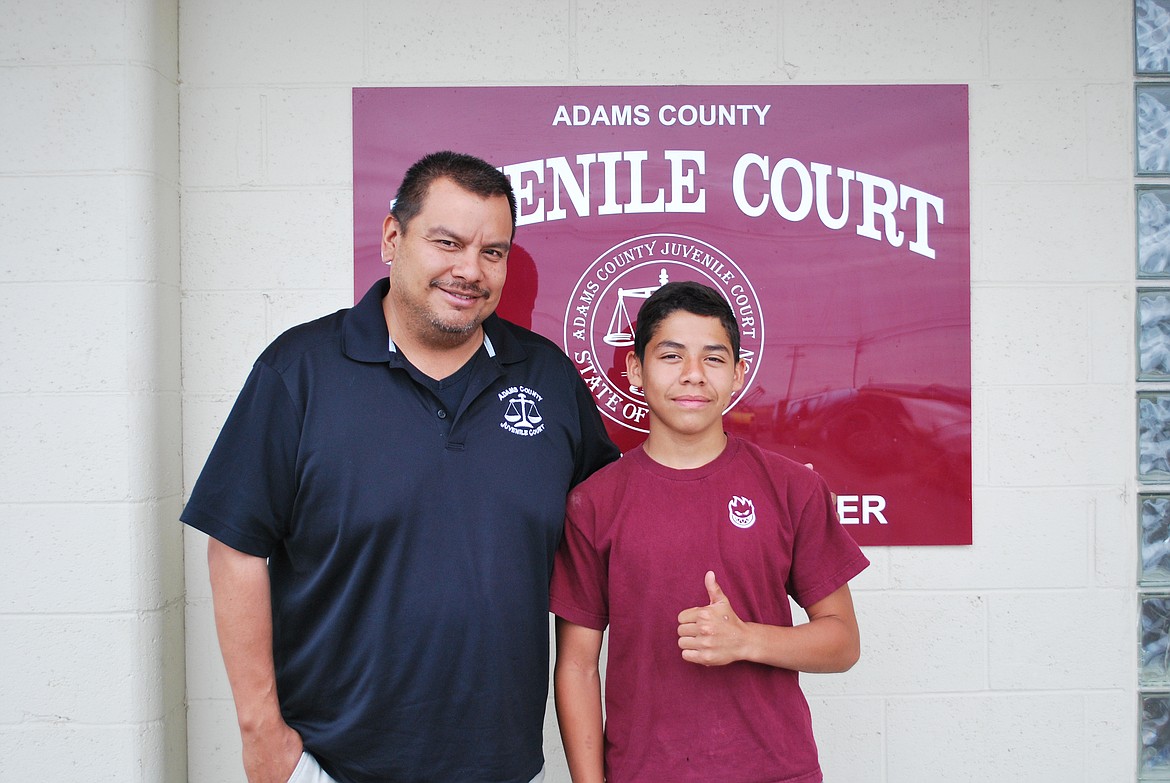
{"x":677,"y":346}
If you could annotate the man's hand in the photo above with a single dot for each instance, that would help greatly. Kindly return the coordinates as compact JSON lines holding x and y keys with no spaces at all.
{"x":711,"y":635}
{"x":271,"y":754}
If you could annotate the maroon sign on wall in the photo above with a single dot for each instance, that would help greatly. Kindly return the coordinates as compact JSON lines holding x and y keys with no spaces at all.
{"x":835,"y":220}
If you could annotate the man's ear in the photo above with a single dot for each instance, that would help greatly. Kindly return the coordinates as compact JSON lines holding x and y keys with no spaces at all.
{"x":391,"y":236}
{"x":634,"y":369}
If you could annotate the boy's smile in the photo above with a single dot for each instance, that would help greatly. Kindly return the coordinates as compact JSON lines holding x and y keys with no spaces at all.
{"x":688,"y":376}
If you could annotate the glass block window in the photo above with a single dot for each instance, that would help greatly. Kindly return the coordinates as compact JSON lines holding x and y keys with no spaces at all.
{"x":1153,"y":232}
{"x":1154,"y":546}
{"x":1151,"y":22}
{"x":1153,"y":437}
{"x":1152,"y":119}
{"x":1155,"y":737}
{"x":1155,"y":640}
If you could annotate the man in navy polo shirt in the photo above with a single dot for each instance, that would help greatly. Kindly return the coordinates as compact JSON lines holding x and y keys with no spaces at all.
{"x":384,"y":503}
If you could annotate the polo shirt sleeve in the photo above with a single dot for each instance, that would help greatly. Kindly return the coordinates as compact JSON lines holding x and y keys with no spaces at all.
{"x":245,"y":493}
{"x":824,"y":555}
{"x":595,"y":449}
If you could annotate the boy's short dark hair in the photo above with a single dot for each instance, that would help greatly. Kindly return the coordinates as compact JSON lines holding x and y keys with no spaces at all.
{"x":689,"y":297}
{"x":473,"y":174}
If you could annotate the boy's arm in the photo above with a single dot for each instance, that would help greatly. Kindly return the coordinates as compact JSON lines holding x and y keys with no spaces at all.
{"x":713,"y":635}
{"x":577,"y":689}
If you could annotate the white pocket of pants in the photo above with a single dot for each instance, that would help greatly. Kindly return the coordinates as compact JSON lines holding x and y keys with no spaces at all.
{"x":299,"y":769}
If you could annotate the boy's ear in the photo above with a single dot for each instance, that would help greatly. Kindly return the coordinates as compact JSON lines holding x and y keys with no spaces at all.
{"x":740,"y":374}
{"x":634,"y":369}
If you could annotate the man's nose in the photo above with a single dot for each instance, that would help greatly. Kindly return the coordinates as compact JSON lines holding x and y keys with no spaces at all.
{"x":466,"y":265}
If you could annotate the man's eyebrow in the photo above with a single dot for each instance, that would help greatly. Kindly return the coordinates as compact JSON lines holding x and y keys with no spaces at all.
{"x":446,"y":232}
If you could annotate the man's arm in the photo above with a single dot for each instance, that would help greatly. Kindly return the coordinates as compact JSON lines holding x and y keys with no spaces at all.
{"x":243,"y":620}
{"x":577,"y":688}
{"x":713,"y":635}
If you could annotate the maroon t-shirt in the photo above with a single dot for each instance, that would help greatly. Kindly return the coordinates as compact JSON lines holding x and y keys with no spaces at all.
{"x":639,"y":537}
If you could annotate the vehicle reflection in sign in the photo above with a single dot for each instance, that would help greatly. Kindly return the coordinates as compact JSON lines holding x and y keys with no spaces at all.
{"x":882,"y":429}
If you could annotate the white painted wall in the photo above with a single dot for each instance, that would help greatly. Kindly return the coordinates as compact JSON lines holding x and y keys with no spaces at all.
{"x":91,"y":602}
{"x":1013,"y":659}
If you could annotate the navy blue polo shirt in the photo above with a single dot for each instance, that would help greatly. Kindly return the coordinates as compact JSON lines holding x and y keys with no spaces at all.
{"x":410,"y":545}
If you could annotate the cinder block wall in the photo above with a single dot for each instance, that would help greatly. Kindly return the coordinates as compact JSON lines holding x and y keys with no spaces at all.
{"x":1013,"y":659}
{"x":91,"y":584}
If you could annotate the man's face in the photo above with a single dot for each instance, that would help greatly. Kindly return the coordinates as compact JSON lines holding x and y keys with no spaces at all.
{"x":688,"y":374}
{"x":447,"y":266}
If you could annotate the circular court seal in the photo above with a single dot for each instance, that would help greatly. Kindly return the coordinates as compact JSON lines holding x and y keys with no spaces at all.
{"x":603,"y":310}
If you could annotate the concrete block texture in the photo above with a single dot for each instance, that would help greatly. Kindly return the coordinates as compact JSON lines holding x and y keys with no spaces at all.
{"x":974,"y":738}
{"x":1012,"y":659}
{"x":944,"y":634}
{"x":523,"y":42}
{"x":1027,"y":131}
{"x":687,"y":41}
{"x":1023,"y":421}
{"x":1055,"y":40}
{"x":95,"y":669}
{"x":61,"y":120}
{"x":97,"y":228}
{"x":1056,"y":233}
{"x":1032,"y":538}
{"x":57,"y":557}
{"x":91,"y":625}
{"x":267,"y":240}
{"x":1062,"y":640}
{"x":271,"y":42}
{"x":278,"y":137}
{"x":863,"y":721}
{"x":110,"y":30}
{"x":64,"y":751}
{"x":885,"y":41}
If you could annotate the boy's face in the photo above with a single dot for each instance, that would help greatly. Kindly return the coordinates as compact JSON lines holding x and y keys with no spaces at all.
{"x":688,"y":374}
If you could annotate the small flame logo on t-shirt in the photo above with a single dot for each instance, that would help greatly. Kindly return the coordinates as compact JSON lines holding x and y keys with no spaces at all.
{"x":741,"y":511}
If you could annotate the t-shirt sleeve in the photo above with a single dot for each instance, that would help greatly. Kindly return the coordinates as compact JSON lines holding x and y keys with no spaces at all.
{"x":245,"y":493}
{"x":579,"y":591}
{"x":824,"y":555}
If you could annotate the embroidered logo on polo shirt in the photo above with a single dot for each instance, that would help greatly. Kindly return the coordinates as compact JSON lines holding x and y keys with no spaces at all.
{"x":521,"y":412}
{"x":741,"y":512}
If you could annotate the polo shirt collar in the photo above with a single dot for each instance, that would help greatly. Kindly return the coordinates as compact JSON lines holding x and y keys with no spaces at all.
{"x":365,"y":337}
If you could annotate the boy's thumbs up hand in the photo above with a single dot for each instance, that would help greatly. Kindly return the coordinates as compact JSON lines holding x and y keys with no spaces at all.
{"x":711,"y":635}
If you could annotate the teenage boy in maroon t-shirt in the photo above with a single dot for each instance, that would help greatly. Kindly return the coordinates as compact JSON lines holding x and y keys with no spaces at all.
{"x":694,"y":518}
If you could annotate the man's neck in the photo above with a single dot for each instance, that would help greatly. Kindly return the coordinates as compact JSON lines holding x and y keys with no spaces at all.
{"x":434,"y":358}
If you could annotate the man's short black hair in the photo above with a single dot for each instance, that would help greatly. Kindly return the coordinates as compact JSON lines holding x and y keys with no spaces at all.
{"x":473,"y":174}
{"x":689,"y":297}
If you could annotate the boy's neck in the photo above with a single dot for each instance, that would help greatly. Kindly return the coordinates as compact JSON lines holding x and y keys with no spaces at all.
{"x":683,"y":452}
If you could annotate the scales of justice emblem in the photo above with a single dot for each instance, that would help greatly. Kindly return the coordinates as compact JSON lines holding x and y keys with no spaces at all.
{"x":522,"y":413}
{"x":602,"y":314}
{"x":621,"y":325}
